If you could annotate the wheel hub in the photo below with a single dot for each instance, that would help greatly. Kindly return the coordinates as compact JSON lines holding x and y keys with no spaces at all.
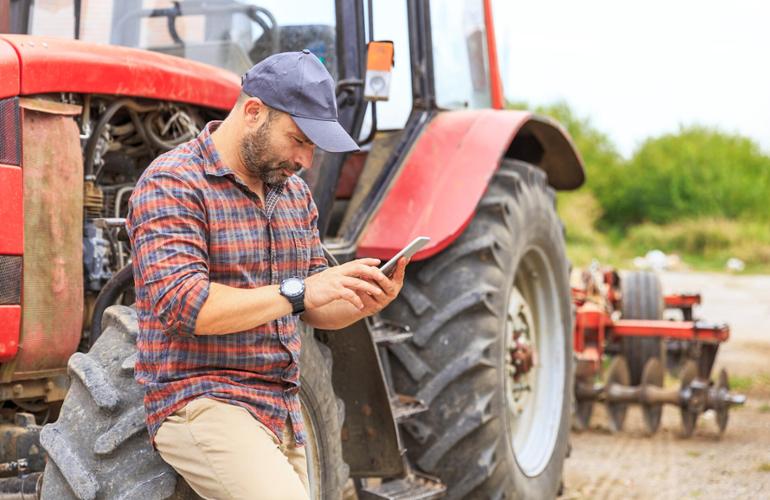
{"x":521,"y":352}
{"x":523,"y":359}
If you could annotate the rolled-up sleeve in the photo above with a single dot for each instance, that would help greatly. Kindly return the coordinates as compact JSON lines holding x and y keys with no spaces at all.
{"x":167,"y":225}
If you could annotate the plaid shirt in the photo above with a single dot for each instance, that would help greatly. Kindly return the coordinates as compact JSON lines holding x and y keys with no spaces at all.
{"x":193,"y":221}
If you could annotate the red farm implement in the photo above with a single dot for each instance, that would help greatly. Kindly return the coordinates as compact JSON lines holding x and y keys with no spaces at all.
{"x":621,"y":320}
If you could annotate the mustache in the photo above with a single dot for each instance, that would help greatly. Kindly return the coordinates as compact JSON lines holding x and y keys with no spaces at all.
{"x":290,"y":166}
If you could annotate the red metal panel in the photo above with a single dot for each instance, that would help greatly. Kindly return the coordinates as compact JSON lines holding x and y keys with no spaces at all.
{"x":11,"y":211}
{"x":444,"y":177}
{"x":681,"y":300}
{"x":680,"y":330}
{"x":9,"y":71}
{"x":496,"y":83}
{"x":10,"y":325}
{"x":52,"y":294}
{"x":58,"y":65}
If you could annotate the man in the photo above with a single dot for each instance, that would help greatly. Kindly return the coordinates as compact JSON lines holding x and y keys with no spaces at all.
{"x":226,"y":256}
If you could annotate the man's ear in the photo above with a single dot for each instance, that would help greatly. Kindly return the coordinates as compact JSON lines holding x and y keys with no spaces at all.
{"x":253,"y":110}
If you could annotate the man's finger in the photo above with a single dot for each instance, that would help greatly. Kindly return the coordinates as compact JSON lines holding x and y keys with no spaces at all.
{"x":398,"y":276}
{"x":361,"y":285}
{"x":353,"y":298}
{"x":374,"y":274}
{"x":369,"y":301}
{"x":367,"y":262}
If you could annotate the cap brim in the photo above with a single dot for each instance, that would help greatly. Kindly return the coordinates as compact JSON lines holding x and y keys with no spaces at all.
{"x":326,"y":134}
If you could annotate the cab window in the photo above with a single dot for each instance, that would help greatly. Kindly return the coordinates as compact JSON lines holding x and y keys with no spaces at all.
{"x":460,"y":63}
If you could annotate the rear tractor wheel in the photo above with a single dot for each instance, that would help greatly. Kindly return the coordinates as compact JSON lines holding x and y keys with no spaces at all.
{"x":491,"y":353}
{"x":99,"y":447}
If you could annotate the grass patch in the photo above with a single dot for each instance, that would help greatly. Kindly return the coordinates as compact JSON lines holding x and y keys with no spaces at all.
{"x":580,"y":212}
{"x":694,"y":454}
{"x":702,"y":243}
{"x":764,"y":408}
{"x":764,"y":467}
{"x":740,"y":383}
{"x":759,"y":382}
{"x":706,"y":243}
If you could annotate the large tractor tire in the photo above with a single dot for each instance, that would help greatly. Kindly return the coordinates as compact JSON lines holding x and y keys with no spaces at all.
{"x":642,"y":298}
{"x":491,"y":353}
{"x":99,"y":447}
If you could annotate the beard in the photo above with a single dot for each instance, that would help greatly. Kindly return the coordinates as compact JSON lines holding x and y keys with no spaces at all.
{"x":261,"y":160}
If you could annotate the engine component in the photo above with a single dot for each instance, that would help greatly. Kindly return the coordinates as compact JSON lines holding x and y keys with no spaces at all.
{"x":96,"y":257}
{"x":93,"y":199}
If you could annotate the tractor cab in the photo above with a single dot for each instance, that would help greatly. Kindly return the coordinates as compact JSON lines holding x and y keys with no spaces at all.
{"x":442,"y":57}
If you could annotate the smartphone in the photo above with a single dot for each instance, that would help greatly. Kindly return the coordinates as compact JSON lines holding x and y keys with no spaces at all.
{"x":408,"y":251}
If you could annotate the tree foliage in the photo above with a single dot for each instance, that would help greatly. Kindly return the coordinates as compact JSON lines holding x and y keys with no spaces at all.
{"x":694,"y":172}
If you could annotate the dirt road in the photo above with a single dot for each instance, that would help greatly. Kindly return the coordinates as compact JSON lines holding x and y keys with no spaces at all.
{"x":735,"y":465}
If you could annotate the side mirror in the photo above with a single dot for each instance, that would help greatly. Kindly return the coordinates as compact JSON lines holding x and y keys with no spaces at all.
{"x":379,"y":66}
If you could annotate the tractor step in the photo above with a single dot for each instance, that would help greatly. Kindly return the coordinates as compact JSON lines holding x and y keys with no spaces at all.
{"x":389,"y":333}
{"x":413,"y":487}
{"x":404,"y":407}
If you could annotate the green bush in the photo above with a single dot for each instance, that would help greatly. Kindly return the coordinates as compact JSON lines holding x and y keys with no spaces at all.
{"x":696,"y":172}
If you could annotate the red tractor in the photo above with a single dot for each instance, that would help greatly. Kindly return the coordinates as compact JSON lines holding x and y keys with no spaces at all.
{"x":463,"y":386}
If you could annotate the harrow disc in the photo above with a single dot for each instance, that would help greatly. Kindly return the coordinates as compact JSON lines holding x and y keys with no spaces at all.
{"x":583,"y":414}
{"x":652,"y":375}
{"x":723,"y":409}
{"x":617,"y":373}
{"x":689,"y":417}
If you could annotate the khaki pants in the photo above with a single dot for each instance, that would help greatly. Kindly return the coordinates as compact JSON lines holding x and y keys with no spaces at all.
{"x":225,"y":453}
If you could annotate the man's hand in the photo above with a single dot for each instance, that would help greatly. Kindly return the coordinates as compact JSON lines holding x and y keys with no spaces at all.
{"x":391,"y":286}
{"x":349,"y":282}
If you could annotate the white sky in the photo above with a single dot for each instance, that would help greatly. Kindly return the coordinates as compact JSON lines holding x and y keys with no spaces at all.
{"x":642,"y":68}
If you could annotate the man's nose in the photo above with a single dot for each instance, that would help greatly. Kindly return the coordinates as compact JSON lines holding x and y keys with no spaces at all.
{"x":304,"y":157}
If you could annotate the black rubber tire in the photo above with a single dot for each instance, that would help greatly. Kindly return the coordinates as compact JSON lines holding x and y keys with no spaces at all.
{"x":642,"y":298}
{"x":325,"y":412}
{"x":456,"y":304}
{"x":99,"y":447}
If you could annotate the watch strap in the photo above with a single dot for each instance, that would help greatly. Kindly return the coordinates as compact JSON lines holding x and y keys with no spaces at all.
{"x":297,"y":303}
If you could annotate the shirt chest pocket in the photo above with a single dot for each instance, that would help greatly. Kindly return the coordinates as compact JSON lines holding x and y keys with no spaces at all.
{"x":302,"y":241}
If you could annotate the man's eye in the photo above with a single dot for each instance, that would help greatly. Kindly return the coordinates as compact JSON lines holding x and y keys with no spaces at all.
{"x":297,"y":139}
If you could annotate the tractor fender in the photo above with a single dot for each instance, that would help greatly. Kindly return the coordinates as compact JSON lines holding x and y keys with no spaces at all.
{"x":449,"y":168}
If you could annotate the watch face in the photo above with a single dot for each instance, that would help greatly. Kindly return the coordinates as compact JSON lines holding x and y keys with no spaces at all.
{"x":293,"y":286}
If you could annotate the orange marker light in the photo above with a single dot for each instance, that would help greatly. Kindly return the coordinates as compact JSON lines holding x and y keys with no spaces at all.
{"x":379,"y":64}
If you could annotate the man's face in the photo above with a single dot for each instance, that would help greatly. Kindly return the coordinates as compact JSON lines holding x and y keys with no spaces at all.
{"x":276,"y":149}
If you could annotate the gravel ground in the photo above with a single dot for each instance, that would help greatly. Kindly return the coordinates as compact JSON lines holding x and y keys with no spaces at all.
{"x":734,"y":465}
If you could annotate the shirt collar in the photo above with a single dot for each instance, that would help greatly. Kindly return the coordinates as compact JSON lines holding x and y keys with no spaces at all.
{"x":213,"y":164}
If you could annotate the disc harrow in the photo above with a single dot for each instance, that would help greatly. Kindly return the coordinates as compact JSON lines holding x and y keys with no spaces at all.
{"x":692,"y":397}
{"x":599,"y":332}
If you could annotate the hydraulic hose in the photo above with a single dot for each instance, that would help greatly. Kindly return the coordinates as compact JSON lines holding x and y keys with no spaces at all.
{"x":119,"y":283}
{"x":93,"y":140}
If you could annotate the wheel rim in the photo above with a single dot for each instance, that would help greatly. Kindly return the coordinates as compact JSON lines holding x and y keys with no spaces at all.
{"x":313,"y":455}
{"x":535,"y":395}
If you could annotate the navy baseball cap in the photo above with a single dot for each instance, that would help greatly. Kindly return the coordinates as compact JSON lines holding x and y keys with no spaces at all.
{"x":297,"y":83}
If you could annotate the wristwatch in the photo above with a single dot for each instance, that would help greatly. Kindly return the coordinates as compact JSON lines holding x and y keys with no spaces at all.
{"x":294,"y":291}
